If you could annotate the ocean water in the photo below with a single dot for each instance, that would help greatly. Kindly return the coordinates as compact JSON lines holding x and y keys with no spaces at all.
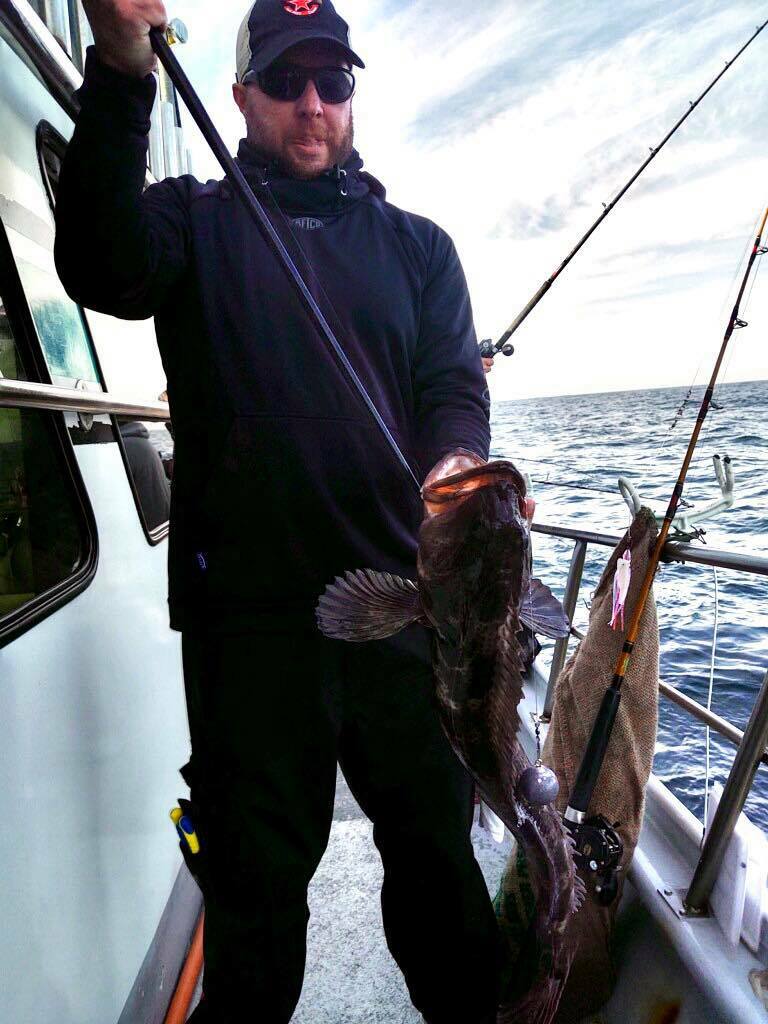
{"x":574,"y":449}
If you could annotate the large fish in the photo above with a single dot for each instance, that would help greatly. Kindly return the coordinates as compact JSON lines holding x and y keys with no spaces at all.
{"x":476,"y":593}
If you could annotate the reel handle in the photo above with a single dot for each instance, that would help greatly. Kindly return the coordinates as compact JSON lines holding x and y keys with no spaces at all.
{"x":489,"y":349}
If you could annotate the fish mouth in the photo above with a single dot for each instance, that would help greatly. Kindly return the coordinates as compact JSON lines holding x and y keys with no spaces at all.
{"x":453,"y":490}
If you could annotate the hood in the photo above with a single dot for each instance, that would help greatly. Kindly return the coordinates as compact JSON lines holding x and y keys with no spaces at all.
{"x":133,"y":429}
{"x":331,"y":192}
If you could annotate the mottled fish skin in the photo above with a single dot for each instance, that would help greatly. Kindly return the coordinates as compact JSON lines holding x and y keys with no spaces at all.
{"x":474,"y":558}
{"x":474,"y":572}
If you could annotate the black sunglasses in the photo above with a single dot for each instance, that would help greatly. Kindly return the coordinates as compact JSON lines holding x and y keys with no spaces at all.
{"x":287,"y":82}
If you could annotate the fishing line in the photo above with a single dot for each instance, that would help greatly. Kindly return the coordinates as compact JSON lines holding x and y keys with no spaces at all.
{"x":728,"y":298}
{"x":536,"y":715}
{"x":726,"y":303}
{"x":702,"y":455}
{"x":726,"y":371}
{"x":503,"y":344}
{"x":597,"y":746}
{"x":560,"y":466}
{"x":748,"y":299}
{"x":567,"y":486}
{"x":709,"y":703}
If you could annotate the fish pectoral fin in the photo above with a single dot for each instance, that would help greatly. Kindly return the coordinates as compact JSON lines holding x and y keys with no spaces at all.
{"x":541,"y":611}
{"x":367,"y":605}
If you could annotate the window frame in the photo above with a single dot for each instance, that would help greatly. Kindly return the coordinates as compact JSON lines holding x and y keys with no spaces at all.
{"x":48,"y":136}
{"x":24,"y":333}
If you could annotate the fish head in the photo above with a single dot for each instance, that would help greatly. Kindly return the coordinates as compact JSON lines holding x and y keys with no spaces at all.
{"x":474,"y":546}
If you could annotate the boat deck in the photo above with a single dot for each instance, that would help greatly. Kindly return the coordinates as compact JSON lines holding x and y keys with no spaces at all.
{"x":350,"y":975}
{"x":668,"y":964}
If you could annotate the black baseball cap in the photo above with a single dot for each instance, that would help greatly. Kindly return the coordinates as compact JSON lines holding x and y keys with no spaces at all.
{"x":272,"y":26}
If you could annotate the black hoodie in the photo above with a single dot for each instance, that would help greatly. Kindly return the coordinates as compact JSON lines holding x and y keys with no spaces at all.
{"x":281,"y":478}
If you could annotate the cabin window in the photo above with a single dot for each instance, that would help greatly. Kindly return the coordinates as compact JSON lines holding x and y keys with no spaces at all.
{"x":63,"y":336}
{"x":51,"y":148}
{"x":66,"y":21}
{"x":148,"y":451}
{"x":41,"y":542}
{"x":46,"y":537}
{"x":59,"y":321}
{"x":10,"y":357}
{"x":147,"y":447}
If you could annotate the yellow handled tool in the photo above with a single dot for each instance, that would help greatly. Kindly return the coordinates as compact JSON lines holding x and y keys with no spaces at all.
{"x":186,"y":830}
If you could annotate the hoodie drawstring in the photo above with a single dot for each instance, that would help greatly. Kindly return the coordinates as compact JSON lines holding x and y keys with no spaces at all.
{"x":341,"y":180}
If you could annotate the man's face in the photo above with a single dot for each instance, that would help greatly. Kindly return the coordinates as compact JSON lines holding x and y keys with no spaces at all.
{"x":306,"y":136}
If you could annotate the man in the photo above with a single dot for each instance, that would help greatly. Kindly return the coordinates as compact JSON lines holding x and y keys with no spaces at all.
{"x":281,"y":482}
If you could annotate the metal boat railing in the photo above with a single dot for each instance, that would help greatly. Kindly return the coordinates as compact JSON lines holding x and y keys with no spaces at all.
{"x":21,"y":394}
{"x":749,"y":756}
{"x":751,"y":743}
{"x":673,"y":552}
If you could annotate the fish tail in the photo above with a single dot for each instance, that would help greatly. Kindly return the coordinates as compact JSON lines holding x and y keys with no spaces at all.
{"x":538,"y":1006}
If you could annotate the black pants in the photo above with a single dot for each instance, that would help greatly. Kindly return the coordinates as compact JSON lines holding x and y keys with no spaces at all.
{"x":271,"y":711}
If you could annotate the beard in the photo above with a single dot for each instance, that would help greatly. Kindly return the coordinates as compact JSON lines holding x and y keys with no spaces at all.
{"x":338,"y":145}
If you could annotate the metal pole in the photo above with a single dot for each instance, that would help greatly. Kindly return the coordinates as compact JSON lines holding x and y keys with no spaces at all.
{"x":22,"y":394}
{"x":571,"y":596}
{"x":736,"y":791}
{"x":717,"y":724}
{"x":673,"y":552}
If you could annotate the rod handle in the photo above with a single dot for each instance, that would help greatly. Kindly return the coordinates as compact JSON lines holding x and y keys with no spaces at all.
{"x":594,"y":755}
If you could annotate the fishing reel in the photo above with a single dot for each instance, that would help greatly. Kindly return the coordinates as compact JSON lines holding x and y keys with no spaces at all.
{"x":488,"y":349}
{"x":598,"y":852}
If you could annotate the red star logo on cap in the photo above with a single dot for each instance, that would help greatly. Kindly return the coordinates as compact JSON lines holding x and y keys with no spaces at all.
{"x":302,"y":7}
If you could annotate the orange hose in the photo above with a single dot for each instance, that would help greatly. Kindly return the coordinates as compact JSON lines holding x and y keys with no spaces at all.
{"x":190,"y":974}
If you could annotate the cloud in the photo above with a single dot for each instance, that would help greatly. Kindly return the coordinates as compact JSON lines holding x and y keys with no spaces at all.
{"x":512,"y":121}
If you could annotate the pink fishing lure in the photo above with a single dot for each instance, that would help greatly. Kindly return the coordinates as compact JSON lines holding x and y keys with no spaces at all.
{"x":621,"y":583}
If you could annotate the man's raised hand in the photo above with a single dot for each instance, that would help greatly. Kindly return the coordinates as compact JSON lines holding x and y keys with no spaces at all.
{"x":121,"y":32}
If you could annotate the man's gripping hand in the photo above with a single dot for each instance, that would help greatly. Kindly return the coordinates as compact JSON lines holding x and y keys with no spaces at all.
{"x":457,"y":461}
{"x":121,"y":32}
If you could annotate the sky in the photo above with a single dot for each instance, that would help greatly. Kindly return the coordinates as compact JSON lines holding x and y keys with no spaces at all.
{"x":510,"y":122}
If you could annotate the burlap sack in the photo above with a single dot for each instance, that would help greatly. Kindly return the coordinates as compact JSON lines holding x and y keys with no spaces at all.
{"x":619,"y":795}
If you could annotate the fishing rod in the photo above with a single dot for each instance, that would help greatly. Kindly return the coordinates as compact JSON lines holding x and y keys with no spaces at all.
{"x":584,"y":830}
{"x":489,"y":348}
{"x":161,"y":44}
